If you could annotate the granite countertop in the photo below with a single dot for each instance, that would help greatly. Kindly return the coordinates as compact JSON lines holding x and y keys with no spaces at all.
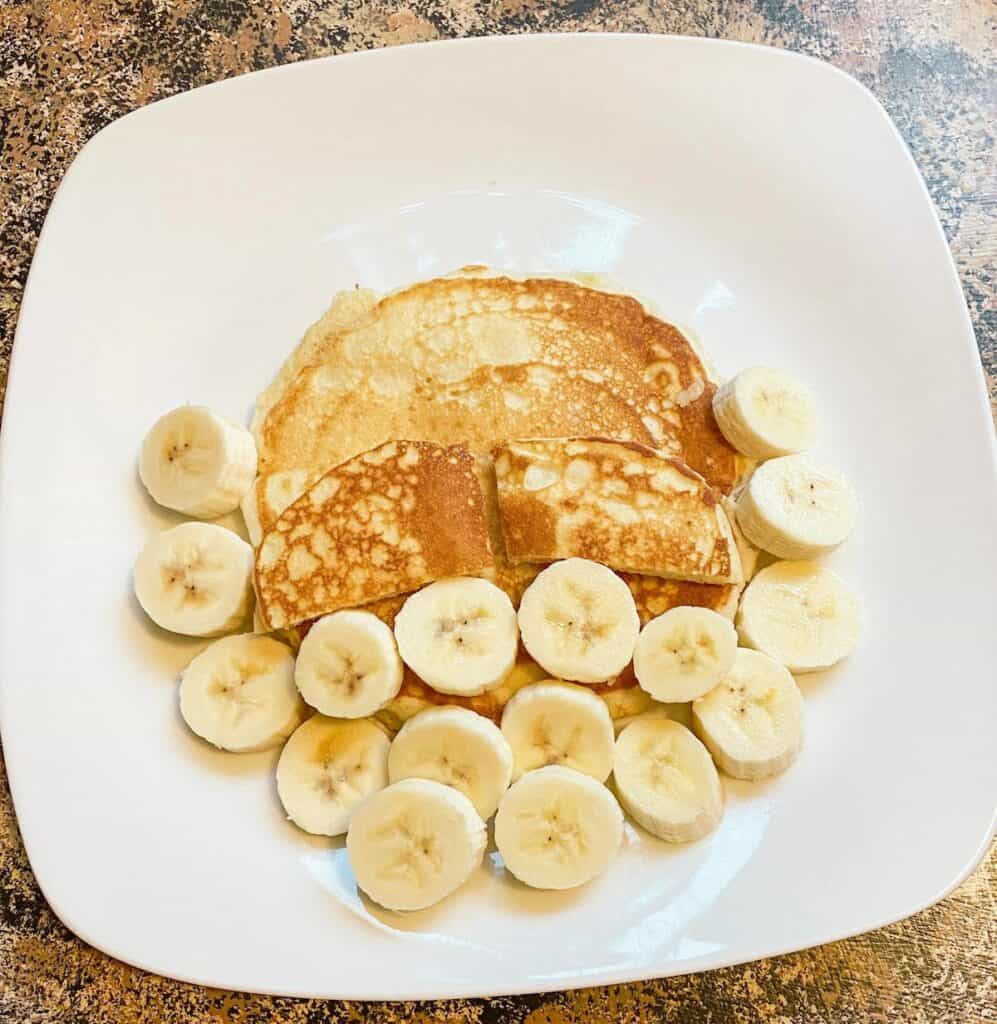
{"x":69,"y":67}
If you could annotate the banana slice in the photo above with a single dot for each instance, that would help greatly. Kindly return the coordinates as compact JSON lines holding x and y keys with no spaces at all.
{"x":458,"y":635}
{"x":578,"y":621}
{"x":558,"y":723}
{"x":683,"y":653}
{"x":795,"y":510}
{"x":557,"y":828}
{"x":195,"y":579}
{"x":197,"y":463}
{"x":666,"y":780}
{"x":457,"y":747}
{"x":239,"y":694}
{"x":752,"y":722}
{"x":800,"y":614}
{"x":348,"y":666}
{"x":414,"y":843}
{"x":328,"y":768}
{"x":764,"y":413}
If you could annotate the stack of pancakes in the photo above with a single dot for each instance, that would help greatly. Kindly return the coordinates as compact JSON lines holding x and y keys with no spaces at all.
{"x":474,"y":360}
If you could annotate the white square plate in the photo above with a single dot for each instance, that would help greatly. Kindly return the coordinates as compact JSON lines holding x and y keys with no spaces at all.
{"x":763,"y":198}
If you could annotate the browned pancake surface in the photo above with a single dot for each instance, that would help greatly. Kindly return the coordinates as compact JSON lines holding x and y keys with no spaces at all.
{"x":383,"y":523}
{"x":617,"y":503}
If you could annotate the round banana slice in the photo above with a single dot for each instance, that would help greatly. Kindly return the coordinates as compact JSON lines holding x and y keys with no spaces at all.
{"x":414,"y":843}
{"x":348,"y":666}
{"x":764,"y":413}
{"x":557,"y":828}
{"x":578,"y":621}
{"x":197,"y":463}
{"x":800,"y":614}
{"x":752,"y":722}
{"x":559,"y":723}
{"x":239,"y":694}
{"x":666,"y":780}
{"x":195,"y":579}
{"x":328,"y":768}
{"x":795,"y":510}
{"x":458,"y":748}
{"x":682,"y":654}
{"x":458,"y":635}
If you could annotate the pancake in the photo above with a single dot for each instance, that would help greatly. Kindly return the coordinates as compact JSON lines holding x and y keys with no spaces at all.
{"x":313,"y":426}
{"x":384,"y":523}
{"x":618,"y":503}
{"x":479,"y":361}
{"x":441,"y":331}
{"x":622,"y":695}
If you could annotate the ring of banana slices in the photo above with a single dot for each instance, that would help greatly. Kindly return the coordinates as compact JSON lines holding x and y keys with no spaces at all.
{"x":718,"y":693}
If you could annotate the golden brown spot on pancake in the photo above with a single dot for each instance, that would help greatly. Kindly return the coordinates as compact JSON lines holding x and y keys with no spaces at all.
{"x":370,"y":546}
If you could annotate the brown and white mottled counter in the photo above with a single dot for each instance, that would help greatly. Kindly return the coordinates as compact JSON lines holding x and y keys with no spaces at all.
{"x":68,"y":68}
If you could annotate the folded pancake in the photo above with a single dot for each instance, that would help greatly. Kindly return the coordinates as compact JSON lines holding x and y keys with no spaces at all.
{"x":383,"y":523}
{"x":441,"y":331}
{"x":618,"y":503}
{"x":315,"y":425}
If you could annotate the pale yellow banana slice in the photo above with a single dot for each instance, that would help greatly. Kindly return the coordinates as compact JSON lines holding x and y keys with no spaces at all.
{"x":559,"y":723}
{"x":348,"y":666}
{"x":578,"y":621}
{"x":414,"y":843}
{"x":801,"y":614}
{"x":666,"y":780}
{"x":682,"y":654}
{"x":764,"y":413}
{"x":239,"y":694}
{"x":198,"y":463}
{"x":196,"y":579}
{"x":459,"y":635}
{"x":796,"y":510}
{"x":752,"y":721}
{"x":557,"y":828}
{"x":458,"y":748}
{"x":328,"y":768}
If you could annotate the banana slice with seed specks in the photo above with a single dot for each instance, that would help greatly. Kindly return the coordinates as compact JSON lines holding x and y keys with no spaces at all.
{"x":578,"y":621}
{"x":328,"y":768}
{"x":795,"y":510}
{"x":458,"y":748}
{"x":348,"y":666}
{"x":752,"y":721}
{"x":666,"y":780}
{"x":764,"y":413}
{"x":414,"y":843}
{"x":557,"y":828}
{"x":197,"y":463}
{"x":458,"y":635}
{"x":239,"y":694}
{"x":559,"y":723}
{"x":683,"y":653}
{"x":800,"y":614}
{"x":196,"y":579}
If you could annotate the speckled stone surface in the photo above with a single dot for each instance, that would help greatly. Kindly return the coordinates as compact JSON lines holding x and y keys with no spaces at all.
{"x":68,"y":68}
